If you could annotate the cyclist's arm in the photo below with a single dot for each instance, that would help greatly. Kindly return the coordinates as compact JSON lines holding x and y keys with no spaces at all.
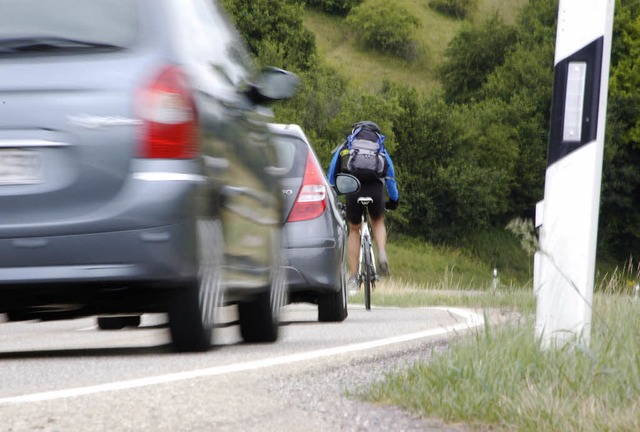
{"x":333,"y":168}
{"x":390,"y":180}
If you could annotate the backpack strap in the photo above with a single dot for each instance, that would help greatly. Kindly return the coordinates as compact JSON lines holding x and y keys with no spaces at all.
{"x":352,"y":136}
{"x":339,"y":147}
{"x":381,"y":139}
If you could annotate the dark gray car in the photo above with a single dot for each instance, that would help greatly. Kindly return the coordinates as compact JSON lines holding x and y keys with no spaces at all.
{"x":315,"y":228}
{"x":136,"y":169}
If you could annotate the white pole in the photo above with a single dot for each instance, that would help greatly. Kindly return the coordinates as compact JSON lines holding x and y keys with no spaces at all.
{"x":564,"y":268}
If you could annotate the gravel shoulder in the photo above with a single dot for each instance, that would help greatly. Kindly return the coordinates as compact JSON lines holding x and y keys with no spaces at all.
{"x":325,"y":394}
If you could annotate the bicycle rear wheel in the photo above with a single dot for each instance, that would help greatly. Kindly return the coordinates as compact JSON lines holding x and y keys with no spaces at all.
{"x":368,"y":275}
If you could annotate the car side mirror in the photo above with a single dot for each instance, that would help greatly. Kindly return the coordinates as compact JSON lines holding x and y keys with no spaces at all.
{"x":346,"y":184}
{"x":274,"y":84}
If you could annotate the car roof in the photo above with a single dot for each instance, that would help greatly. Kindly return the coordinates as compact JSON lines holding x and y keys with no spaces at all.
{"x":288,"y":129}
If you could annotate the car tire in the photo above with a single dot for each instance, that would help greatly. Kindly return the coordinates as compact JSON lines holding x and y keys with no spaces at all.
{"x":193,"y":309}
{"x":260,"y":318}
{"x":332,"y":307}
{"x":18,"y":315}
{"x":118,"y":322}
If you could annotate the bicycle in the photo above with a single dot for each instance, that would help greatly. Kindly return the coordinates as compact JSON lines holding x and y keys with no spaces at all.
{"x":367,"y":271}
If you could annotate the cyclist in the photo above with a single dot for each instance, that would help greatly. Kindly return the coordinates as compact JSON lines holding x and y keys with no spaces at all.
{"x":371,"y":186}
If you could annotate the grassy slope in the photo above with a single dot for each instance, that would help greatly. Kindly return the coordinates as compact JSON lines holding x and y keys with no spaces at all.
{"x":337,"y":45}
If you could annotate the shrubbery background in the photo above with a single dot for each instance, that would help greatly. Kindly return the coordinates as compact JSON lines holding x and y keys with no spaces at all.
{"x":470,"y":156}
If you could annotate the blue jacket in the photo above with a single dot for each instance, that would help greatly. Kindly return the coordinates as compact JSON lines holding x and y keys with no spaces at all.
{"x":389,"y":178}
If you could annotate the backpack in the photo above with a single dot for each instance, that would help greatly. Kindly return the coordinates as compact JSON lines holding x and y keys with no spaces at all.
{"x":366,"y":159}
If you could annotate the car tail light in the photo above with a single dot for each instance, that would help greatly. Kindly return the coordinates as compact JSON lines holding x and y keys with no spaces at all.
{"x":312,"y":199}
{"x":170,"y":121}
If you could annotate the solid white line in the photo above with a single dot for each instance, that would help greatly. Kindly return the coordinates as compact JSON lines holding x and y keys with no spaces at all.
{"x":472,"y":320}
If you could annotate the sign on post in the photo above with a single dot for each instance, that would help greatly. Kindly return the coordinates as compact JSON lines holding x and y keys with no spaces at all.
{"x":567,"y":218}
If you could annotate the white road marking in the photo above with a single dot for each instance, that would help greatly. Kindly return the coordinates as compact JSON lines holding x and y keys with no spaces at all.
{"x":471,"y":320}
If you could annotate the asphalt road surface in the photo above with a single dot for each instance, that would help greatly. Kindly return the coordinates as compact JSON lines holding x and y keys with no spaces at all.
{"x":71,"y":376}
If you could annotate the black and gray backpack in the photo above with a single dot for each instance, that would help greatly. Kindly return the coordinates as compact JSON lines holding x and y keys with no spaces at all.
{"x":366,"y":159}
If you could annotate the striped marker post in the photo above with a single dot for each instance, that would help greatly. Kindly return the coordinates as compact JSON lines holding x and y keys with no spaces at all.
{"x":567,"y":218}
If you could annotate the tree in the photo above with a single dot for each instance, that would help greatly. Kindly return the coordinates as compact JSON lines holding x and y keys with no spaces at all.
{"x":386,"y":27}
{"x":619,"y":230}
{"x":472,"y":55}
{"x":275,"y":32}
{"x":460,"y":9}
{"x":337,"y":7}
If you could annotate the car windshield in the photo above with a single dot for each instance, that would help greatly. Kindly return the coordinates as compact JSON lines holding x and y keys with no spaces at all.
{"x":33,"y":25}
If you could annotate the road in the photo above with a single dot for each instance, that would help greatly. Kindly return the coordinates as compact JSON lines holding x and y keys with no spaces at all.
{"x":70,"y":376}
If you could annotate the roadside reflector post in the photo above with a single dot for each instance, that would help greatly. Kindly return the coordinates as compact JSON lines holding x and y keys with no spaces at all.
{"x":567,"y":218}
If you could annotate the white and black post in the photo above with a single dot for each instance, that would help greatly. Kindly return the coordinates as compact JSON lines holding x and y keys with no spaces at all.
{"x":564,"y":268}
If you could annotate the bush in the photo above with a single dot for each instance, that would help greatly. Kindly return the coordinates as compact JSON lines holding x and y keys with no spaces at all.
{"x":472,"y":55}
{"x":275,"y":32}
{"x":385,"y":27}
{"x":335,"y":7}
{"x":460,"y":9}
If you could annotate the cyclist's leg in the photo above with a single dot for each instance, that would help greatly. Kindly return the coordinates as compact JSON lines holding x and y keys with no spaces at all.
{"x":376,"y":211}
{"x":354,"y":218}
{"x":379,"y":233}
{"x":353,"y":248}
{"x":380,"y":236}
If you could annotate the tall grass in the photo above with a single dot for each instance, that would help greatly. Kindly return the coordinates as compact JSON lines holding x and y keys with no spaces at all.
{"x":442,"y":267}
{"x":501,"y":378}
{"x":401,"y":293}
{"x":461,"y":268}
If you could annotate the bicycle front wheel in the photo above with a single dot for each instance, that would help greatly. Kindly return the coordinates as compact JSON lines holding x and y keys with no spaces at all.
{"x":368,"y":275}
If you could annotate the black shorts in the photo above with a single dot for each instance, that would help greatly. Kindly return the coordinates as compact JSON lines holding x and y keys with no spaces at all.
{"x":373,"y":189}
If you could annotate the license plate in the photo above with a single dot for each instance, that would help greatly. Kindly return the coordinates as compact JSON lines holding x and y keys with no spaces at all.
{"x":20,"y":167}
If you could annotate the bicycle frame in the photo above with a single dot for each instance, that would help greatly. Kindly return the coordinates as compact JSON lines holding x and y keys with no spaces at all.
{"x":367,"y":255}
{"x":366,"y":241}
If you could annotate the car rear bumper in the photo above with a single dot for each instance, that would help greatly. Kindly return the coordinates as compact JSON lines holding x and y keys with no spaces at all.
{"x":313,"y":266}
{"x":163,"y":254}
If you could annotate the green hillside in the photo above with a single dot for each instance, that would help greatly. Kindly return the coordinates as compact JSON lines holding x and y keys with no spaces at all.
{"x":336,"y":44}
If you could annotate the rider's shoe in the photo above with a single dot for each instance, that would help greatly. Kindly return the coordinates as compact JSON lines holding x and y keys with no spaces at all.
{"x":352,"y":285}
{"x":383,"y":263}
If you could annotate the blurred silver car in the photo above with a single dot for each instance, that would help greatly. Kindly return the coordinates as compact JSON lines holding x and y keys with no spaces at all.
{"x":136,"y":169}
{"x":315,"y":230}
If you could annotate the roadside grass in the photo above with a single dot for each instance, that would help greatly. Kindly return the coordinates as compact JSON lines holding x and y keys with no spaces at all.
{"x":455,"y":268}
{"x":399,"y":293}
{"x":498,"y":378}
{"x":438,"y":267}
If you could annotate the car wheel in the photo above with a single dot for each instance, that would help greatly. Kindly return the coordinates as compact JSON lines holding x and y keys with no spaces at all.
{"x":193,"y":309}
{"x":18,"y":315}
{"x":332,"y":307}
{"x":260,"y":317}
{"x":118,"y":322}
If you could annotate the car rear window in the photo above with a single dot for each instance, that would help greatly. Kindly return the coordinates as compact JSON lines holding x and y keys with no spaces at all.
{"x":292,"y":155}
{"x":107,"y":22}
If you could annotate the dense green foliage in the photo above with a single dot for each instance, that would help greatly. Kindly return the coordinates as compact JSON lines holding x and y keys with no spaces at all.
{"x":473,"y":54}
{"x":620,"y":218}
{"x":338,"y":7}
{"x":274,"y":32}
{"x":472,"y":155}
{"x":386,"y":27}
{"x":455,"y":8}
